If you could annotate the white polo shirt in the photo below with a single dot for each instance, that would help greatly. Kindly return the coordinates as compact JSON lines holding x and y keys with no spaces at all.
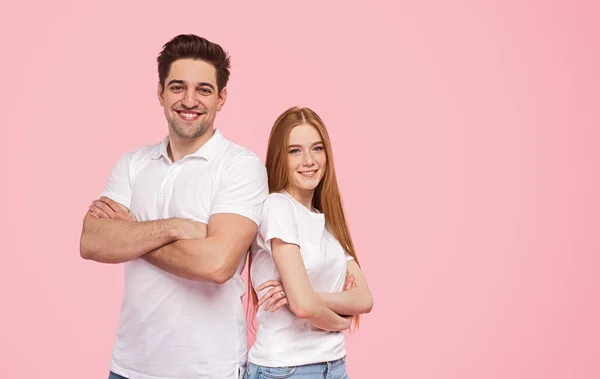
{"x":283,"y":339}
{"x":172,"y":327}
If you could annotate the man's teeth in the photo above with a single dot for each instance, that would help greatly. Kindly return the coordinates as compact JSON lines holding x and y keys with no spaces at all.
{"x":189,"y":115}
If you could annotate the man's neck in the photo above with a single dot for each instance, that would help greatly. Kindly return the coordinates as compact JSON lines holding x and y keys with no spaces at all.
{"x":180,"y":147}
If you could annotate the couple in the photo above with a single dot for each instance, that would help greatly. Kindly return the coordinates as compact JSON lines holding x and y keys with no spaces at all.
{"x":183,"y":214}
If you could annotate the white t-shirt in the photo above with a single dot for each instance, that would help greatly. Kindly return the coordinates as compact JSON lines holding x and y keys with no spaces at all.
{"x":172,"y":327}
{"x":283,"y":339}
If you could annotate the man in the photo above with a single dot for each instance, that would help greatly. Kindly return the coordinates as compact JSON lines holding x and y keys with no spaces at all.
{"x":181,"y":215}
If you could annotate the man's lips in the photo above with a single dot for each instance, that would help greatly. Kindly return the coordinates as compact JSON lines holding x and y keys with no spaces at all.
{"x":188,"y":115}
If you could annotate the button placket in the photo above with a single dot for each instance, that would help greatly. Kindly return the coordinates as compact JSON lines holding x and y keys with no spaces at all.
{"x":166,"y":186}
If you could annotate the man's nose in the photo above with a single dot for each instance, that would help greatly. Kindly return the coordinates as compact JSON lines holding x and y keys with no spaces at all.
{"x":189,"y":99}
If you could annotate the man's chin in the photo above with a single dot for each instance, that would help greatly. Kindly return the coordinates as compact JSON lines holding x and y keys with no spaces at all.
{"x":188,"y":131}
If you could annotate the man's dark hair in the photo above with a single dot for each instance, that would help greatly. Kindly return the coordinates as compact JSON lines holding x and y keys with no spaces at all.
{"x":190,"y":46}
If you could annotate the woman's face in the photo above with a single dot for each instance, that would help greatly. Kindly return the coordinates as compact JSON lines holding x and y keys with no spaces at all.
{"x":306,"y":158}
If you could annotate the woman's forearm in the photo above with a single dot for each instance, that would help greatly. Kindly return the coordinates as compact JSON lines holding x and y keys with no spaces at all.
{"x":348,"y":303}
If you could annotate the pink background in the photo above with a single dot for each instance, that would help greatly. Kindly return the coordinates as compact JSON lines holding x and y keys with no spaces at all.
{"x":465,"y":135}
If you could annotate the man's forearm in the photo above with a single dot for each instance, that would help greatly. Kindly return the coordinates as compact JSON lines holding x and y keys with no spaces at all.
{"x":348,"y":303}
{"x":215,"y":258}
{"x":194,"y":259}
{"x":116,"y":241}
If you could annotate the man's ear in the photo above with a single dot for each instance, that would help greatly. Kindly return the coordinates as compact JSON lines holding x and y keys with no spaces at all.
{"x":161,"y":94}
{"x":222,"y":98}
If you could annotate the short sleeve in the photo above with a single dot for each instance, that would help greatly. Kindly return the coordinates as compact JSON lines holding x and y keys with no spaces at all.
{"x":243,"y":189}
{"x":118,"y":187}
{"x":278,"y":220}
{"x":348,"y":257}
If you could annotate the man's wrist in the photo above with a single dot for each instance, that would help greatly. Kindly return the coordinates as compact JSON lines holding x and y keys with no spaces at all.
{"x":174,"y":229}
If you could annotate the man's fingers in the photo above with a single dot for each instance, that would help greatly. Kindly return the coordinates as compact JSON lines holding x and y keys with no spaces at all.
{"x":104,"y":207}
{"x":116,"y":207}
{"x":98,"y":211}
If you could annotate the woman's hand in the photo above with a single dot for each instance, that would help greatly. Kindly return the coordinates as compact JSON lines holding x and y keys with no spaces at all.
{"x":275,"y":298}
{"x":349,"y":282}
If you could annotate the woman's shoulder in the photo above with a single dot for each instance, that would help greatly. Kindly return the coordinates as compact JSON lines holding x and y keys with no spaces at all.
{"x":279,"y":200}
{"x":279,"y":207}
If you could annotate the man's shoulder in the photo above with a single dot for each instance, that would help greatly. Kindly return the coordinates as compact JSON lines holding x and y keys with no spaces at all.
{"x":142,"y":154}
{"x":234,"y":152}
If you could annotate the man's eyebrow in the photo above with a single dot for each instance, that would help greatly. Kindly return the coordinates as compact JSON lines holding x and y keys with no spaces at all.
{"x":176,"y":81}
{"x":200,"y":84}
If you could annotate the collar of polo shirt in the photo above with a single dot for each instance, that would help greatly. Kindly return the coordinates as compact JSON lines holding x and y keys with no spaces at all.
{"x":207,"y":151}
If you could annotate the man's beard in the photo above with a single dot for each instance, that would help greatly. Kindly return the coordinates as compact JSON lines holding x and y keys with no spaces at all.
{"x":185,"y":132}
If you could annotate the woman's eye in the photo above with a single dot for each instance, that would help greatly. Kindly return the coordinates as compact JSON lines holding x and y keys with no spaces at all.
{"x":319,"y":148}
{"x":294,"y":151}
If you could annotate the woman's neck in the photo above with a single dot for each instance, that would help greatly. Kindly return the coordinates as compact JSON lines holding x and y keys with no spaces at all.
{"x":303,"y":196}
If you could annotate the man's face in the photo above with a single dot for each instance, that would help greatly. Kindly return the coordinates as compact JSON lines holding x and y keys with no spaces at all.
{"x":190,"y":98}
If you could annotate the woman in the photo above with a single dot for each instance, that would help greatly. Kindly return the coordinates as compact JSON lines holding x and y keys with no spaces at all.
{"x":302,"y":256}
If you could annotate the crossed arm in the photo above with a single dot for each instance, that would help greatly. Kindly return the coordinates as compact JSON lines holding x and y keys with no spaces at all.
{"x":185,"y":248}
{"x":111,"y":235}
{"x":214,"y":258}
{"x":327,"y":311}
{"x":356,"y":299}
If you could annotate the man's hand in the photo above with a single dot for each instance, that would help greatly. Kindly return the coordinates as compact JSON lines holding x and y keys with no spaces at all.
{"x":275,"y":298}
{"x":107,"y":208}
